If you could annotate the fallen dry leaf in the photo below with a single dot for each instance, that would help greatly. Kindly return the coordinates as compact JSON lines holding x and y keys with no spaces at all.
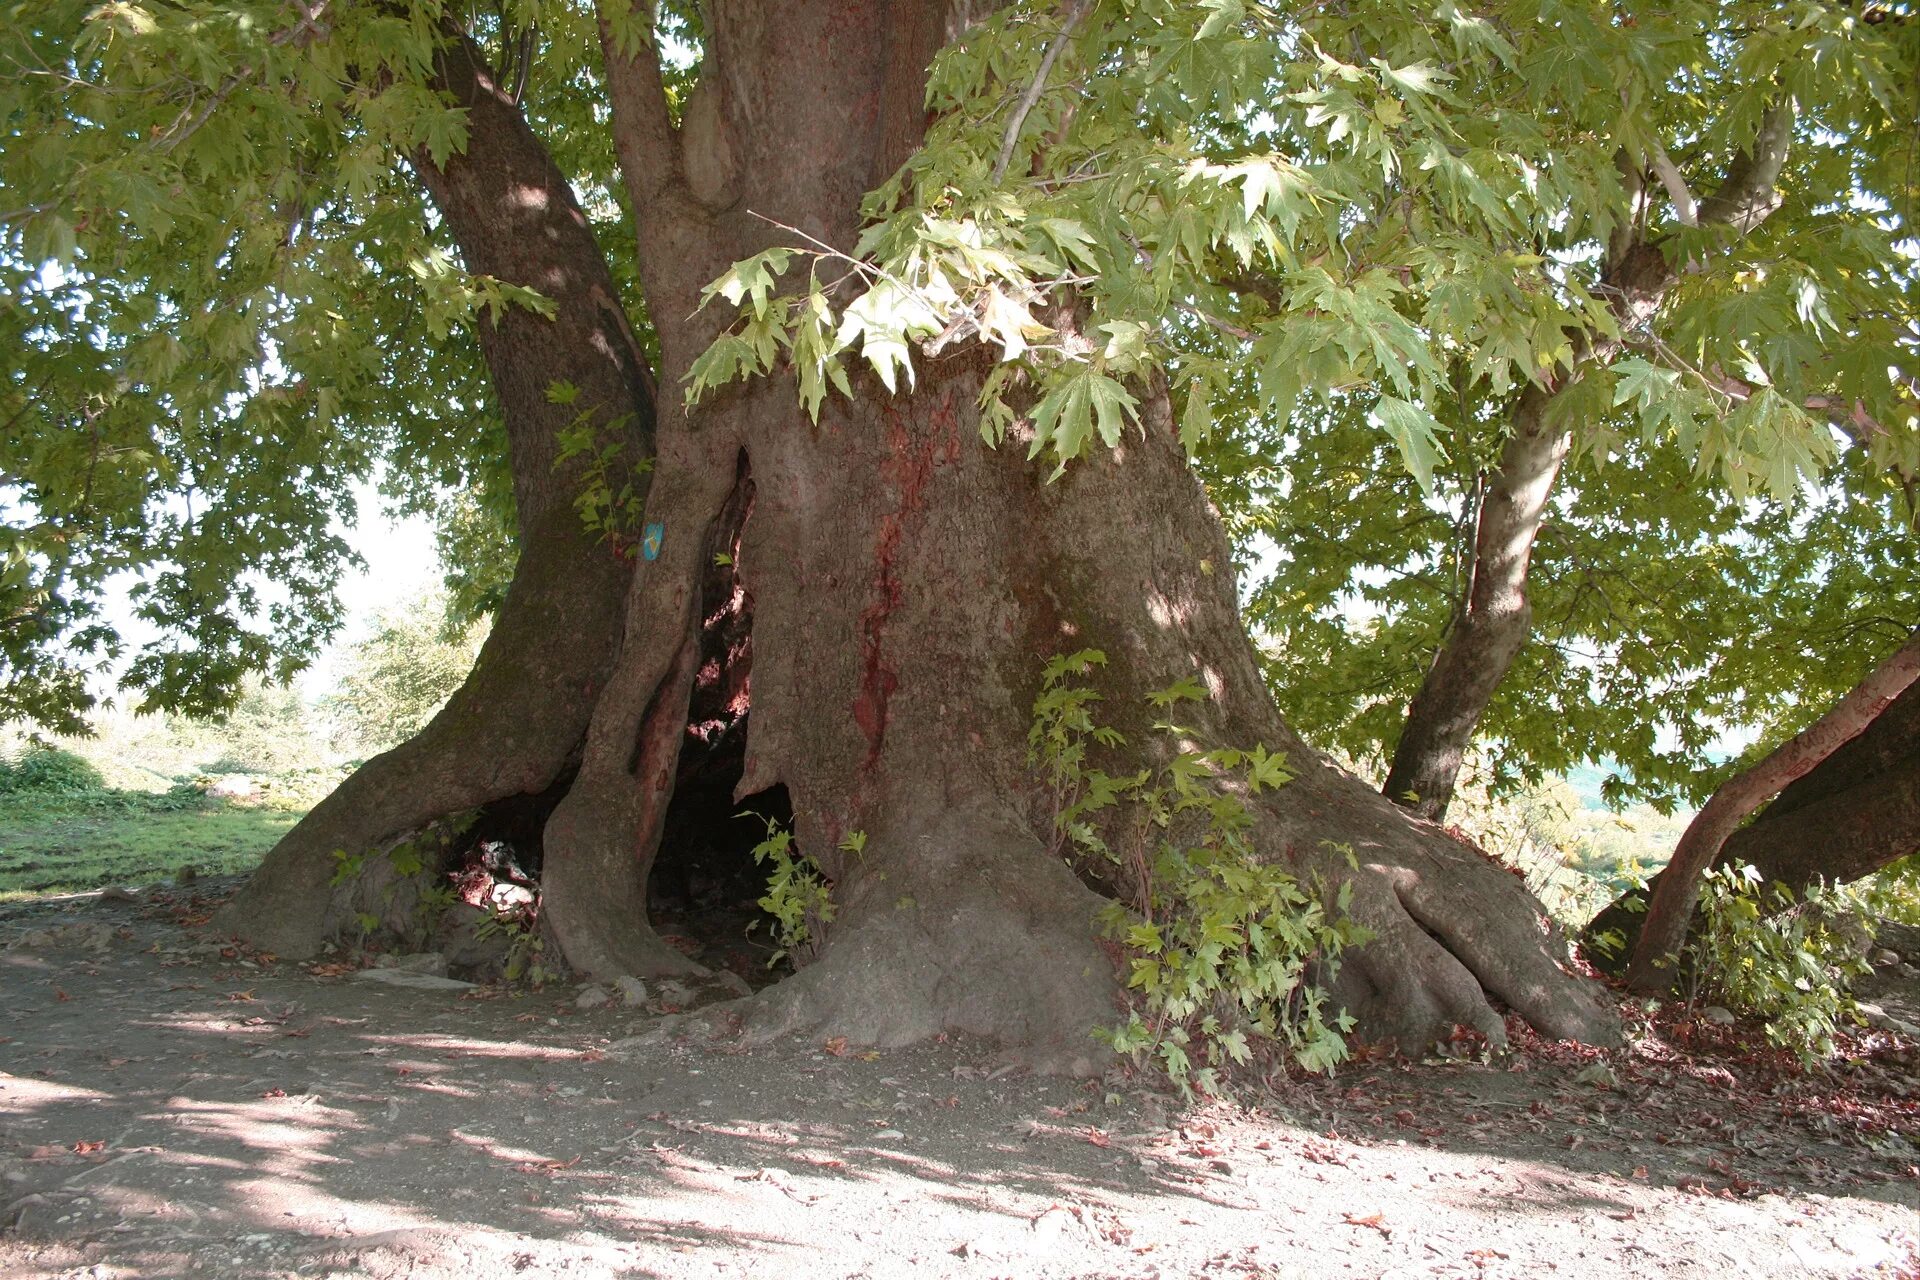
{"x":1377,"y":1221}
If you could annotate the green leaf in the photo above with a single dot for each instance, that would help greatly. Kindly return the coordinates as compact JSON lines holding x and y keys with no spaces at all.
{"x":1416,"y":433}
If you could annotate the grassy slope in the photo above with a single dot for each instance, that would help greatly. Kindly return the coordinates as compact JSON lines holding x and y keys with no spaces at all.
{"x":129,"y":839}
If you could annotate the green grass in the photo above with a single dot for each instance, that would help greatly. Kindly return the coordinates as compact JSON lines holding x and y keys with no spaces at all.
{"x":61,"y":845}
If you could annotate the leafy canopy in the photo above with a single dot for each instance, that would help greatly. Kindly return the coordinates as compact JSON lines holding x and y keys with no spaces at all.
{"x":1342,"y":239}
{"x":1346,"y":241}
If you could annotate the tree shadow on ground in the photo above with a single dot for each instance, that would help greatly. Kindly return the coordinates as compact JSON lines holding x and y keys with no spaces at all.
{"x":172,"y":1113}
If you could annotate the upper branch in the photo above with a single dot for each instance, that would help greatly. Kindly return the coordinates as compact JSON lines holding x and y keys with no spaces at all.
{"x":1746,"y":196}
{"x":644,"y":136}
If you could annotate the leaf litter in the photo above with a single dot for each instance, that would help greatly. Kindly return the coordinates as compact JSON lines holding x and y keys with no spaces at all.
{"x":423,"y":1134}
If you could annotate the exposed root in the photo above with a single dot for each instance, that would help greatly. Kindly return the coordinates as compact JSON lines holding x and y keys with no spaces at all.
{"x":968,"y":927}
{"x":1451,"y":936}
{"x":595,"y":900}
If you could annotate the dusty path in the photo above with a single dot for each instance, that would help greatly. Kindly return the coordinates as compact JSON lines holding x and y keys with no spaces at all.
{"x":166,"y":1110}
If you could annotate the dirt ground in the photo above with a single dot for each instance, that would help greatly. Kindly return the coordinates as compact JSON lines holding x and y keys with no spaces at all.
{"x":170,"y":1109}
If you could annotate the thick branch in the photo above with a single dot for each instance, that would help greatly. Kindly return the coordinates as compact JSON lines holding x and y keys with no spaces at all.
{"x":1676,"y":184}
{"x":516,"y":724}
{"x":1747,"y":196}
{"x":1493,"y":624}
{"x":643,"y":134}
{"x":1493,"y":618}
{"x":1671,"y":909}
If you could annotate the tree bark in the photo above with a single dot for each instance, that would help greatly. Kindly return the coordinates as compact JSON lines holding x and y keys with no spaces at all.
{"x":1670,"y":909}
{"x":516,"y":724}
{"x":907,"y":583}
{"x":1854,"y":813}
{"x":1493,"y":619}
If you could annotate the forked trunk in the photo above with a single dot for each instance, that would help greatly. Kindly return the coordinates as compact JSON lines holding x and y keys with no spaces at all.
{"x":1856,"y":811}
{"x":514,"y":727}
{"x":906,"y":584}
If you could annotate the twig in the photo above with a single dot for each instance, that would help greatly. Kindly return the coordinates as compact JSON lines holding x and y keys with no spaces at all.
{"x":1231,"y":330}
{"x":1034,"y":90}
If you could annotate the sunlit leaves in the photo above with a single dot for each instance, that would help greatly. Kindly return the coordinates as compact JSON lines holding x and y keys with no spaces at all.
{"x":247,"y":304}
{"x":1414,"y":431}
{"x":1383,"y":197}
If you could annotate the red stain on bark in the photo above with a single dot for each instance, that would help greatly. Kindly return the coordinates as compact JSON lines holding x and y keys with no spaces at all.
{"x":908,"y":468}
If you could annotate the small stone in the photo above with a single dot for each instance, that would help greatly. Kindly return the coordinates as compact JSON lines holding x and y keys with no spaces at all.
{"x":1053,"y":1227}
{"x":632,"y":990}
{"x":1600,"y":1074}
{"x":1717,"y":1016}
{"x":431,"y":962}
{"x":417,"y":981}
{"x":95,"y":937}
{"x":1877,"y":1016}
{"x":591,"y":997}
{"x":888,"y":1135}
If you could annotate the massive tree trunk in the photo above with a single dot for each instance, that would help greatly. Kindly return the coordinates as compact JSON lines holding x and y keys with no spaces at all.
{"x":1493,"y":619}
{"x":904,"y":584}
{"x":515,"y":725}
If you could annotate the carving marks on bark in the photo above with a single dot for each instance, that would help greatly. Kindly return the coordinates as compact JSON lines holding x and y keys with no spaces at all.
{"x":907,"y":471}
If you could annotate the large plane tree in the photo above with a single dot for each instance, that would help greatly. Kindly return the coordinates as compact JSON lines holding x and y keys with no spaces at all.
{"x":841,"y":365}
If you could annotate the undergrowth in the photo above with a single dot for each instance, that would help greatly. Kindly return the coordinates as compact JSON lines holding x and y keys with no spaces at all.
{"x":1221,"y":946}
{"x":1759,"y":950}
{"x":798,"y":898}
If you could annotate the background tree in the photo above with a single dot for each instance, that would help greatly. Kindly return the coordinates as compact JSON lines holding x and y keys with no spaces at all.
{"x":397,"y":678}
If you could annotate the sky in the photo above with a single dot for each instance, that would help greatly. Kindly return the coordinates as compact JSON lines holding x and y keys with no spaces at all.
{"x":402,"y":566}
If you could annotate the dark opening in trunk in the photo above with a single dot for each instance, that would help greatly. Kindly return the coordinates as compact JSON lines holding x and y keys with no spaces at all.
{"x":704,"y":890}
{"x":507,"y":832}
